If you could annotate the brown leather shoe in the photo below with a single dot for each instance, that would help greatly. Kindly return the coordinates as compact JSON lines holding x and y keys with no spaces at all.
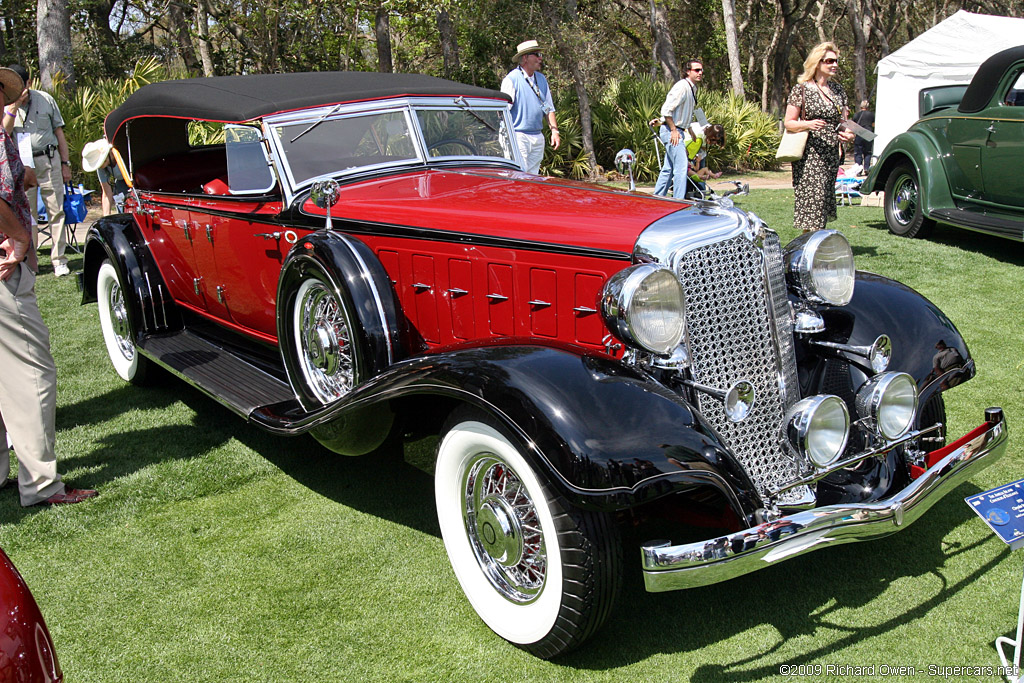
{"x":69,"y":496}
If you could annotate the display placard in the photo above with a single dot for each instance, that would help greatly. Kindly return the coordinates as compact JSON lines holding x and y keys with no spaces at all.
{"x":1002,"y":509}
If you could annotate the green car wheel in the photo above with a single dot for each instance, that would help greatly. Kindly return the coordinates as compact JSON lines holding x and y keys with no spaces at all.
{"x":904,"y":213}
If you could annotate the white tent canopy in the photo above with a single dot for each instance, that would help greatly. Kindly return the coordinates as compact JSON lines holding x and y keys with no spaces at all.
{"x":947,"y":54}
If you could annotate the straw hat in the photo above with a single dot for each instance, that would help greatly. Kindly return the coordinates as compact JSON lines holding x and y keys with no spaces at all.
{"x":12,"y":84}
{"x":94,"y":155}
{"x":526,"y":48}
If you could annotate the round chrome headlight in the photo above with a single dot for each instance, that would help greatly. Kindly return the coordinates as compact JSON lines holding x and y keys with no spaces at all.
{"x":817,"y":427}
{"x":820,"y":265}
{"x":889,"y":402}
{"x":643,"y":306}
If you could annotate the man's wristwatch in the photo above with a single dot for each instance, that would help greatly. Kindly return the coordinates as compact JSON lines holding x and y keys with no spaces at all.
{"x":65,"y":163}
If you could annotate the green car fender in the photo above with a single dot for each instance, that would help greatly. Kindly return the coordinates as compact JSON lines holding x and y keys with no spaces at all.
{"x":917,"y":149}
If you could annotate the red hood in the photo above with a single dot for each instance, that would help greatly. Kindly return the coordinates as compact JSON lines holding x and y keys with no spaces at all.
{"x":504,"y":204}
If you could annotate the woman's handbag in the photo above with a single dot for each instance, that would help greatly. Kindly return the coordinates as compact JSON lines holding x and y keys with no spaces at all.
{"x":791,"y":147}
{"x":74,"y":205}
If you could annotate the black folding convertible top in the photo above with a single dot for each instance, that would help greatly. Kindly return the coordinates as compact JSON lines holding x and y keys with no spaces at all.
{"x":243,"y":98}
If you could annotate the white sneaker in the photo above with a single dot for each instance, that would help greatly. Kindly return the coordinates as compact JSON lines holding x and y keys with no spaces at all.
{"x":61,"y":269}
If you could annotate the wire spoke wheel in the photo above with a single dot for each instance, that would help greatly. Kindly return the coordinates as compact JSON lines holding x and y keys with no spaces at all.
{"x":323,"y":338}
{"x":539,"y":572}
{"x":118,"y":335}
{"x":504,"y":529}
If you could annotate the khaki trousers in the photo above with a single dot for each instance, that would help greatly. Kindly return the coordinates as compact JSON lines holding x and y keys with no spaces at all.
{"x":28,"y":390}
{"x":51,"y":187}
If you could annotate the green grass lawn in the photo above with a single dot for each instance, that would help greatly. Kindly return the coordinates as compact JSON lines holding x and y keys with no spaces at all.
{"x":217,"y":552}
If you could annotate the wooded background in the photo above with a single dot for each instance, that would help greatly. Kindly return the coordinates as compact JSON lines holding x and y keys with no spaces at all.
{"x":752,"y":48}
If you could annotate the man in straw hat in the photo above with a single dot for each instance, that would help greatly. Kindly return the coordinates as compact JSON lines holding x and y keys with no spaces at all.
{"x":36,"y":113}
{"x":28,"y":376}
{"x":96,"y":156}
{"x":531,"y":100}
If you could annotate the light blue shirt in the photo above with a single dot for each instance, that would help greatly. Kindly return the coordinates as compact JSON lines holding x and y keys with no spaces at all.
{"x":528,"y":107}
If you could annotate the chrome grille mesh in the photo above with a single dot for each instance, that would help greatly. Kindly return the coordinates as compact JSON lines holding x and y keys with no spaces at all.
{"x":738,"y":327}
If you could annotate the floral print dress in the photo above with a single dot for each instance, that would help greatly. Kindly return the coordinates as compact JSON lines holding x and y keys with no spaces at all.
{"x":814,"y":176}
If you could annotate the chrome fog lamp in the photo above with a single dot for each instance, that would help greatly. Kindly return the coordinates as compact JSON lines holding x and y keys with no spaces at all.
{"x":889,"y":403}
{"x":820,"y":266}
{"x":817,"y":427}
{"x":643,"y":306}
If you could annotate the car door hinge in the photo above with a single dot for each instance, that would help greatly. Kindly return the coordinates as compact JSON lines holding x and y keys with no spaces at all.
{"x":220,"y":293}
{"x":197,"y":285}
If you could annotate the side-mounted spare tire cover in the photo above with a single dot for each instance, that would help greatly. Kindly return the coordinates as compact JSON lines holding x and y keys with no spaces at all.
{"x":337,"y":327}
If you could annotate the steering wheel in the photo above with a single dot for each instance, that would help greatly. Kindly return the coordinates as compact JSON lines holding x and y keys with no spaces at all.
{"x":452,"y":141}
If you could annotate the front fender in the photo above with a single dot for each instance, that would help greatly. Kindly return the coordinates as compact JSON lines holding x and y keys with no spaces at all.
{"x":118,"y":238}
{"x":913,"y":323}
{"x":607,"y":436}
{"x":917,"y":149}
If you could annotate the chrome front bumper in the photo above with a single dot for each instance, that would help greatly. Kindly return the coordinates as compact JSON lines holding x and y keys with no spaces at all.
{"x":668,"y":567}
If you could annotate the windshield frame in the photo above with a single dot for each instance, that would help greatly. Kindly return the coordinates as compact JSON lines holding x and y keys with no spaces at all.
{"x":407,"y":106}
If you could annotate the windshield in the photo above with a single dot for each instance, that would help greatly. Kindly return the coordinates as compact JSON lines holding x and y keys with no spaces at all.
{"x":348,"y":142}
{"x":464,"y":132}
{"x":334,"y":144}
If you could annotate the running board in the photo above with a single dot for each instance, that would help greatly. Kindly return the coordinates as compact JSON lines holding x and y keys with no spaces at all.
{"x":992,"y":223}
{"x":220,"y":374}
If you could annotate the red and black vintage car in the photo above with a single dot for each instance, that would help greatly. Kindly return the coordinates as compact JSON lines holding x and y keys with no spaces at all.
{"x":26,"y":648}
{"x":356,"y":255}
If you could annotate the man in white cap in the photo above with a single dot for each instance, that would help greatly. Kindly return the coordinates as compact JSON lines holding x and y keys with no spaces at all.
{"x":36,"y":113}
{"x":28,"y":376}
{"x":96,"y":156}
{"x":531,"y":100}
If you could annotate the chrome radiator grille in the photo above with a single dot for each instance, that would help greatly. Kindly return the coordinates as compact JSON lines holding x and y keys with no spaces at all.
{"x":738,"y":327}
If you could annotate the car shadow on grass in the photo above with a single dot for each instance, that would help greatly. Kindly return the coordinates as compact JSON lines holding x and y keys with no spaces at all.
{"x":997,"y":248}
{"x":792,"y":603}
{"x":806,"y":600}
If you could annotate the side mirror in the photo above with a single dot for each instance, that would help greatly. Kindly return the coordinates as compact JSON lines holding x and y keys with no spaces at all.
{"x":325,"y":194}
{"x":625,"y":160}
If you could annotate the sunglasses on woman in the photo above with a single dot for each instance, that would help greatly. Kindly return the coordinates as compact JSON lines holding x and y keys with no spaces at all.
{"x":830,"y":60}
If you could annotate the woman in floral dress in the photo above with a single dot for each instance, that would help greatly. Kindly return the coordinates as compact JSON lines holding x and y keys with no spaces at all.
{"x":817,"y":105}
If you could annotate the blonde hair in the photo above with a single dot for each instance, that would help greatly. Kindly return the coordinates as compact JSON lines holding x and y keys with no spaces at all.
{"x":814,"y":59}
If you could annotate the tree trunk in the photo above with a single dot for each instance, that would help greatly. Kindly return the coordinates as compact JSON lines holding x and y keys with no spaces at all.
{"x":53,"y":33}
{"x":792,"y":12}
{"x":664,"y":50}
{"x":203,"y":29}
{"x":180,"y":28}
{"x":109,"y":48}
{"x":382,"y":30}
{"x":568,"y":56}
{"x":860,"y":22}
{"x":732,"y":44}
{"x":449,"y":43}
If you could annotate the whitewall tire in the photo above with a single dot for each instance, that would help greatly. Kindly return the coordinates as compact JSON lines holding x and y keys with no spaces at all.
{"x":118,"y":335}
{"x":540,"y":574}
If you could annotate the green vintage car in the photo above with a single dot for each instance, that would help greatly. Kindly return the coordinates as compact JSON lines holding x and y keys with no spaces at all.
{"x":962,"y":163}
